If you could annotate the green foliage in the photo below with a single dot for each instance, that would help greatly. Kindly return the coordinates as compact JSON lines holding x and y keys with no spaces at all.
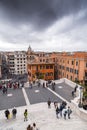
{"x":85,"y":94}
{"x":41,"y":76}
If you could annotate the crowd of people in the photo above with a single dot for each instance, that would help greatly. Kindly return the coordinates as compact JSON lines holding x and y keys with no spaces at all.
{"x":44,"y":84}
{"x":4,"y":86}
{"x":61,"y":110}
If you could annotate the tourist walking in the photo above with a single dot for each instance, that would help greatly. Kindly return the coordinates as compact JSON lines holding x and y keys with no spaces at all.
{"x":29,"y":127}
{"x":7,"y":113}
{"x":4,"y":89}
{"x":43,"y":85}
{"x":69,"y":111}
{"x":73,"y":94}
{"x":55,"y":104}
{"x":75,"y":89}
{"x":61,"y":109}
{"x":34,"y":126}
{"x":65,"y":113}
{"x":25,"y":115}
{"x":57,"y":111}
{"x":49,"y":103}
{"x":30,"y":85}
{"x":14,"y":112}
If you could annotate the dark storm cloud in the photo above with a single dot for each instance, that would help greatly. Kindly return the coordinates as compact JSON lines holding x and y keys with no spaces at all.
{"x":40,"y":13}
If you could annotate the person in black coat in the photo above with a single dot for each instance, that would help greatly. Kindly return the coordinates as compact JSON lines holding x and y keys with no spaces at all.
{"x":49,"y":103}
{"x":7,"y":113}
{"x":57,"y":111}
{"x":14,"y":112}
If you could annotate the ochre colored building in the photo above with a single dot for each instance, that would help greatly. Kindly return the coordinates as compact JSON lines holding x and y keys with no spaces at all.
{"x":39,"y":66}
{"x":56,"y":65}
{"x":73,"y":66}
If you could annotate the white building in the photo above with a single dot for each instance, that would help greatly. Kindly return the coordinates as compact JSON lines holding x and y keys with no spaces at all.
{"x":17,"y":62}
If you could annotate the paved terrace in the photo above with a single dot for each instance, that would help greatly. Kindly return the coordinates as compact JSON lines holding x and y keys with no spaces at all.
{"x":35,"y":100}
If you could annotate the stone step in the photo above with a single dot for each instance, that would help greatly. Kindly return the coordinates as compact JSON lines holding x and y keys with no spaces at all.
{"x":44,"y":117}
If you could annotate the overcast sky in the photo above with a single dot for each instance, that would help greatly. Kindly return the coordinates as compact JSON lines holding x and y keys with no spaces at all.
{"x":45,"y":25}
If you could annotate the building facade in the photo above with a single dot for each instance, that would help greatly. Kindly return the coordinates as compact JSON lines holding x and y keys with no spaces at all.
{"x":73,"y":66}
{"x":17,"y":62}
{"x":39,"y":65}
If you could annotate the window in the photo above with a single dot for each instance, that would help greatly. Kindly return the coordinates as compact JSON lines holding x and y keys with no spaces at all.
{"x":47,"y":66}
{"x":51,"y":66}
{"x":72,"y":62}
{"x":67,"y":68}
{"x":71,"y":70}
{"x":41,"y":67}
{"x":40,"y":60}
{"x":76,"y":63}
{"x":76,"y":71}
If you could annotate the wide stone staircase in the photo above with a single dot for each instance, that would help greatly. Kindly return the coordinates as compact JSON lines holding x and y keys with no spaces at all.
{"x":44,"y":117}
